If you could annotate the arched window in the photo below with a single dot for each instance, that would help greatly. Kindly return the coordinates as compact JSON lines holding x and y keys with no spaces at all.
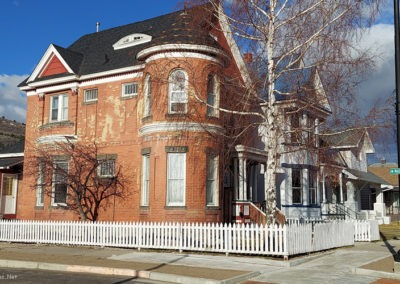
{"x":147,"y":96}
{"x":177,"y":92}
{"x":212,"y":95}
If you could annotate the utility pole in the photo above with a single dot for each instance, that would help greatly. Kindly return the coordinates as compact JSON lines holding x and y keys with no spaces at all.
{"x":397,"y":74}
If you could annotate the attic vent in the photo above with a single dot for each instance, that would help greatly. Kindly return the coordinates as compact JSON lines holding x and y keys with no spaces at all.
{"x":131,"y":40}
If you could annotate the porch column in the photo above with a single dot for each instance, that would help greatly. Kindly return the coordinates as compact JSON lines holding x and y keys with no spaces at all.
{"x":244,"y":177}
{"x":235,"y":179}
{"x":251,"y":180}
{"x":318,"y":190}
{"x":341,"y":187}
{"x":323,"y":185}
{"x":241,"y":178}
{"x":306,"y":186}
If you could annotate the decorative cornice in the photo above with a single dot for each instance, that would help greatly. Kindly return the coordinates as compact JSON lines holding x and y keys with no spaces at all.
{"x":183,"y":54}
{"x":180,"y":126}
{"x":181,"y":47}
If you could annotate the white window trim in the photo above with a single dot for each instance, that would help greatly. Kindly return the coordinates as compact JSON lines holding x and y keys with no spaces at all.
{"x":144,"y":201}
{"x":131,"y":40}
{"x":147,"y":96}
{"x":40,"y":189}
{"x":134,"y":94}
{"x":214,"y":109}
{"x":60,"y":108}
{"x":170,"y":83}
{"x":86,"y":93}
{"x":214,"y":160}
{"x":53,"y":189}
{"x":169,"y":203}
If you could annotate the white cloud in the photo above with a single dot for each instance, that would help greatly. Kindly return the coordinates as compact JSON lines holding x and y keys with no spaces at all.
{"x":12,"y":100}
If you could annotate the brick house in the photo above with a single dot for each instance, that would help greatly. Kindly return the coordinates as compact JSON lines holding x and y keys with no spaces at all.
{"x":147,"y":94}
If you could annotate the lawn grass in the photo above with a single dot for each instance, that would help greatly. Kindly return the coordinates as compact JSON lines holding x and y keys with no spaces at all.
{"x":391,"y":231}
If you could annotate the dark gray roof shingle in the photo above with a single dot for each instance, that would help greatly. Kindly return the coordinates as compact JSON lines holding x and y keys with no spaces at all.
{"x":94,"y":53}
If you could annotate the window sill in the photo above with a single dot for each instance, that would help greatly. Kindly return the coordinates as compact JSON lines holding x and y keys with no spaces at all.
{"x":39,"y":207}
{"x":176,"y":115}
{"x":212,"y":207}
{"x":55,"y":124}
{"x":89,"y":103}
{"x":128,"y":97}
{"x":175,"y":207}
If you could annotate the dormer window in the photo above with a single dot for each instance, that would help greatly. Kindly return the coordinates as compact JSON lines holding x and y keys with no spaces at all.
{"x":131,"y":40}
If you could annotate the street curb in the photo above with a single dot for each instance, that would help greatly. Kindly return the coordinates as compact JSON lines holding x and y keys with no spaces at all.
{"x":68,"y":267}
{"x":375,"y":273}
{"x":143,"y":274}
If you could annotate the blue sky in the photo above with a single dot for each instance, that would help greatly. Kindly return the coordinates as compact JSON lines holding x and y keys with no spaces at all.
{"x":30,"y":26}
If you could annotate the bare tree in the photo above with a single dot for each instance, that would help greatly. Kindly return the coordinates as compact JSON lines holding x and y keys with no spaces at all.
{"x":288,"y":41}
{"x":77,"y":177}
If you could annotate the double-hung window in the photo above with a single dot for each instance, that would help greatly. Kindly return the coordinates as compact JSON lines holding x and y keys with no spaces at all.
{"x":145,"y":179}
{"x":91,"y":95}
{"x":58,"y":108}
{"x":40,"y":185}
{"x":106,"y":168}
{"x":297,"y":187}
{"x":212,"y":95}
{"x":212,"y":180}
{"x":60,"y":183}
{"x":178,"y":92}
{"x":129,"y":89}
{"x":176,"y":179}
{"x":312,"y":184}
{"x":147,"y":96}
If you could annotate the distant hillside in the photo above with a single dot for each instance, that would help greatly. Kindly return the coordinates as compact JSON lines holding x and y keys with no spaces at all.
{"x":11,"y":131}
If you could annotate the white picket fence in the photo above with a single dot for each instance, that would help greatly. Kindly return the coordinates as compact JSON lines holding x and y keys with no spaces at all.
{"x":273,"y":240}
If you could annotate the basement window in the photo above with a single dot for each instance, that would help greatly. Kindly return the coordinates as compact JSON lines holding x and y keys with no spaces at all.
{"x":131,"y":40}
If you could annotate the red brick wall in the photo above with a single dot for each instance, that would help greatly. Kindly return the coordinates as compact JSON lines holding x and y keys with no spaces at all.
{"x":114,"y":123}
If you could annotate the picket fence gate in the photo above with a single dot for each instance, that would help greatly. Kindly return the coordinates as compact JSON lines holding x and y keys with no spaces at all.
{"x":275,"y":240}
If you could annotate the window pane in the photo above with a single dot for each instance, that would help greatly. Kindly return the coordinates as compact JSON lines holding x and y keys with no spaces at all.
{"x":212,"y":180}
{"x":145,"y":180}
{"x":176,"y":179}
{"x":106,"y":168}
{"x":129,"y":89}
{"x":60,"y":193}
{"x":178,"y":96}
{"x":60,"y":182}
{"x":91,"y":95}
{"x":296,"y":186}
{"x":54,"y":108}
{"x":7,"y":185}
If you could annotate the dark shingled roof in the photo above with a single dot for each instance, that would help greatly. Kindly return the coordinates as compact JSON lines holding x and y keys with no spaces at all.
{"x":94,"y":53}
{"x":9,"y":162}
{"x":367,"y":176}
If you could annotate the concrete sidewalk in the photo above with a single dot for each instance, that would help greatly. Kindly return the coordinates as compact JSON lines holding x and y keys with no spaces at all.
{"x":363,"y":263}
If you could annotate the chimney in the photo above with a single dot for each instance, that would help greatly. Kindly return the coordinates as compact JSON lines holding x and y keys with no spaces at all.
{"x":97,"y":27}
{"x":248,"y":57}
